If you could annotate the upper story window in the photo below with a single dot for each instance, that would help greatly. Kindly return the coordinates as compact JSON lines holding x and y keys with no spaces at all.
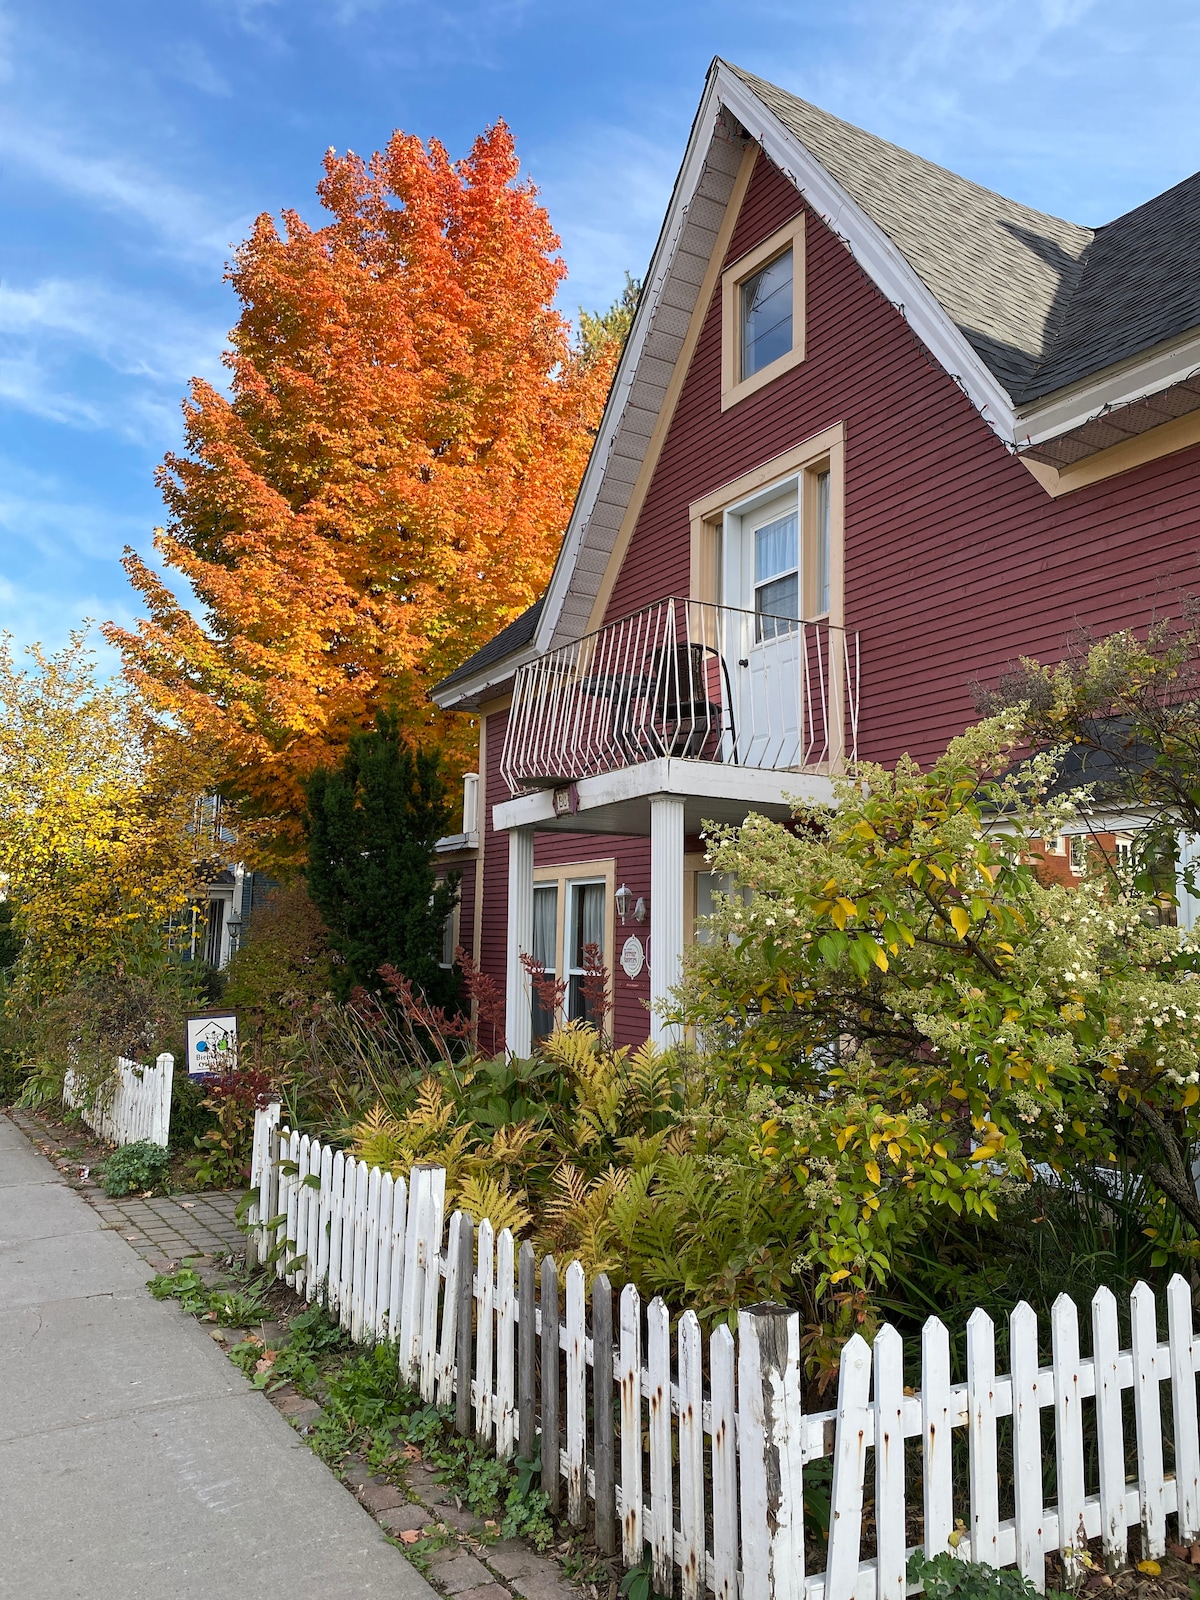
{"x":762,"y":319}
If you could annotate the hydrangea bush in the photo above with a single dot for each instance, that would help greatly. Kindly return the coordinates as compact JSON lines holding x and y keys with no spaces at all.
{"x":915,"y":1019}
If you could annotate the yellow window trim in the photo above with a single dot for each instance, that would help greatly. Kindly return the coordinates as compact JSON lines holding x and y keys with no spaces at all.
{"x":733,"y":386}
{"x":562,"y":874}
{"x":706,"y":514}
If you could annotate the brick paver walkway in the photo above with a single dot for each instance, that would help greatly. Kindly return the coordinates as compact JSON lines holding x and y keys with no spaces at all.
{"x":162,"y":1230}
{"x":175,"y":1226}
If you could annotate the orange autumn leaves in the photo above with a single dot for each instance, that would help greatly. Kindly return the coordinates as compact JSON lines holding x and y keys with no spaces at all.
{"x":390,"y":479}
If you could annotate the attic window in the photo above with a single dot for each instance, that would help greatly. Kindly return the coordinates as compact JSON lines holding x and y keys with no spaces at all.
{"x":767,"y":315}
{"x":762,"y":332}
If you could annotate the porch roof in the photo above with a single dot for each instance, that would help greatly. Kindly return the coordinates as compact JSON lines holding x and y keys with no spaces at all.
{"x":619,"y":802}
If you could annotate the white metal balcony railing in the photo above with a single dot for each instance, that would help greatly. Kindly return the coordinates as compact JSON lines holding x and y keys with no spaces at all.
{"x":687,"y":679}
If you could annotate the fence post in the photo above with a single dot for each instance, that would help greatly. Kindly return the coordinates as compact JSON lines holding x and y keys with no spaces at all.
{"x":431,"y":1267}
{"x":691,"y":1456}
{"x":526,"y":1349}
{"x":466,"y":1305}
{"x":550,"y":1379}
{"x":849,"y":1465}
{"x":412,"y":1299}
{"x":631,"y":1426}
{"x":770,"y":1441}
{"x":1183,"y":1403}
{"x":604,"y":1442}
{"x":162,"y":1108}
{"x":576,"y":1395}
{"x":888,"y":1355}
{"x":266,"y":1123}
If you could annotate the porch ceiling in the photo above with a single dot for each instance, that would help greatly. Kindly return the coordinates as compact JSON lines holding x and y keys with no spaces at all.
{"x":619,"y":802}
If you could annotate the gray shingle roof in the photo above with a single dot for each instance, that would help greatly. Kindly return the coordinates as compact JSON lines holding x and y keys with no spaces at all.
{"x":518,"y":633}
{"x":1140,"y":285}
{"x":1043,"y":301}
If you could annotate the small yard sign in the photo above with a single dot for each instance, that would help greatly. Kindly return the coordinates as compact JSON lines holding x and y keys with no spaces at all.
{"x":211,"y":1043}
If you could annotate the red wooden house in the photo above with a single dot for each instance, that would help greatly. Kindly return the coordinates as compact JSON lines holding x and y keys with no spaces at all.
{"x":877,"y":431}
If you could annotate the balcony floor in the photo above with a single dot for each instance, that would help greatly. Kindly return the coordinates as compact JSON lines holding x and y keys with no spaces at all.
{"x":619,"y":802}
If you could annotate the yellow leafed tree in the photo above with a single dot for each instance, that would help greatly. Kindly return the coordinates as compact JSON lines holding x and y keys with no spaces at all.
{"x":96,"y":809}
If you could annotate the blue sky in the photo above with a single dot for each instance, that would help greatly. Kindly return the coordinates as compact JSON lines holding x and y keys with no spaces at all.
{"x":138,"y":140}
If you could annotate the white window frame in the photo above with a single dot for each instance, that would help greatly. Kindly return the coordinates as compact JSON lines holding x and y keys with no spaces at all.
{"x":799,"y":491}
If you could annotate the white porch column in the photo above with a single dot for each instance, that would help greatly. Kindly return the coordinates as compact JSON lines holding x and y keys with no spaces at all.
{"x":1188,"y":848}
{"x":518,"y":1007}
{"x":666,"y":908}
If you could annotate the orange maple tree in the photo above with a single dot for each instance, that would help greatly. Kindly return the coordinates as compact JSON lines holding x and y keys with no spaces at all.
{"x":387,"y":483}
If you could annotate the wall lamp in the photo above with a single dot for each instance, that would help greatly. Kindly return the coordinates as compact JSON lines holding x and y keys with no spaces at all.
{"x":627,"y":906}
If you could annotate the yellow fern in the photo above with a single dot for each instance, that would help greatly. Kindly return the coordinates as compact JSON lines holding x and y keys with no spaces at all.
{"x":482,"y":1197}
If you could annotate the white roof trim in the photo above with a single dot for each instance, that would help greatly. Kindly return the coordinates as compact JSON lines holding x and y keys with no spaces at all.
{"x":883,"y":262}
{"x":1136,"y":379}
{"x":876,"y":254}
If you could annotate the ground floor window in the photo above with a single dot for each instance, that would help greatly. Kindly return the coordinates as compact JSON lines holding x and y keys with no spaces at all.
{"x":545,"y":954}
{"x":572,"y":909}
{"x":586,"y":939}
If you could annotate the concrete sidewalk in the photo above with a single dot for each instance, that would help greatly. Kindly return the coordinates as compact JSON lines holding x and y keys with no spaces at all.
{"x":135,"y":1460}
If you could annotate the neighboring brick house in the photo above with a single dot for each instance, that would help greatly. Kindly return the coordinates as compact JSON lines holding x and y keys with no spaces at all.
{"x":877,"y":431}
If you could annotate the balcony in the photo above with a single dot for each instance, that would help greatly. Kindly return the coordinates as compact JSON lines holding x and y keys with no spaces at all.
{"x":685,"y":680}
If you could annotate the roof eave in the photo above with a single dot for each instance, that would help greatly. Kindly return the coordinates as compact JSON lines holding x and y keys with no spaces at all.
{"x":470,"y":693}
{"x":1165,"y":366}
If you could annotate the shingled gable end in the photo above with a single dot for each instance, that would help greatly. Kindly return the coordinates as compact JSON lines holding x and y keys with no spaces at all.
{"x":991,"y":415}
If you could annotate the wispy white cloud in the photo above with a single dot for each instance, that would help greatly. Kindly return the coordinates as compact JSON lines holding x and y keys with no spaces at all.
{"x":41,"y":515}
{"x":606,"y":192}
{"x":133,"y":333}
{"x":32,"y":614}
{"x":150,"y":345}
{"x":188,"y":224}
{"x":192,"y":64}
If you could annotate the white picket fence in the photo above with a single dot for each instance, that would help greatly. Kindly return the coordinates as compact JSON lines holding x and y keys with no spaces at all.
{"x":703,"y":1457}
{"x":133,"y":1103}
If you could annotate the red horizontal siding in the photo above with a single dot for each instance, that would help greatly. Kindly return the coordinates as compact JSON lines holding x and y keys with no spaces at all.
{"x":957,"y":561}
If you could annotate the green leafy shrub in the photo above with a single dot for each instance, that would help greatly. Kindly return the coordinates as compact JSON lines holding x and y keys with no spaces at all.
{"x":945,"y":1577}
{"x":191,"y":1118}
{"x":225,"y":1162}
{"x":135,"y":1167}
{"x":281,"y":967}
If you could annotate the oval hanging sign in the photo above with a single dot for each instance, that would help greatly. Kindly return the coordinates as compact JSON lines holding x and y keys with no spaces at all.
{"x":633,"y":957}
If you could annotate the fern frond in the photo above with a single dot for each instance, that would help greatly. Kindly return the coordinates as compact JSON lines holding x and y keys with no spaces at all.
{"x":486,"y":1197}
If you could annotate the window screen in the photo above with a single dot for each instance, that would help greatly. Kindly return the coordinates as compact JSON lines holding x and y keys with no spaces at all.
{"x":776,"y":576}
{"x":545,"y":941}
{"x":767,"y":315}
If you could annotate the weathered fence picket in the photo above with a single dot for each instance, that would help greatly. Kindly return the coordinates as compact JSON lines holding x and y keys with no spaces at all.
{"x":132,"y":1104}
{"x":700,"y":1460}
